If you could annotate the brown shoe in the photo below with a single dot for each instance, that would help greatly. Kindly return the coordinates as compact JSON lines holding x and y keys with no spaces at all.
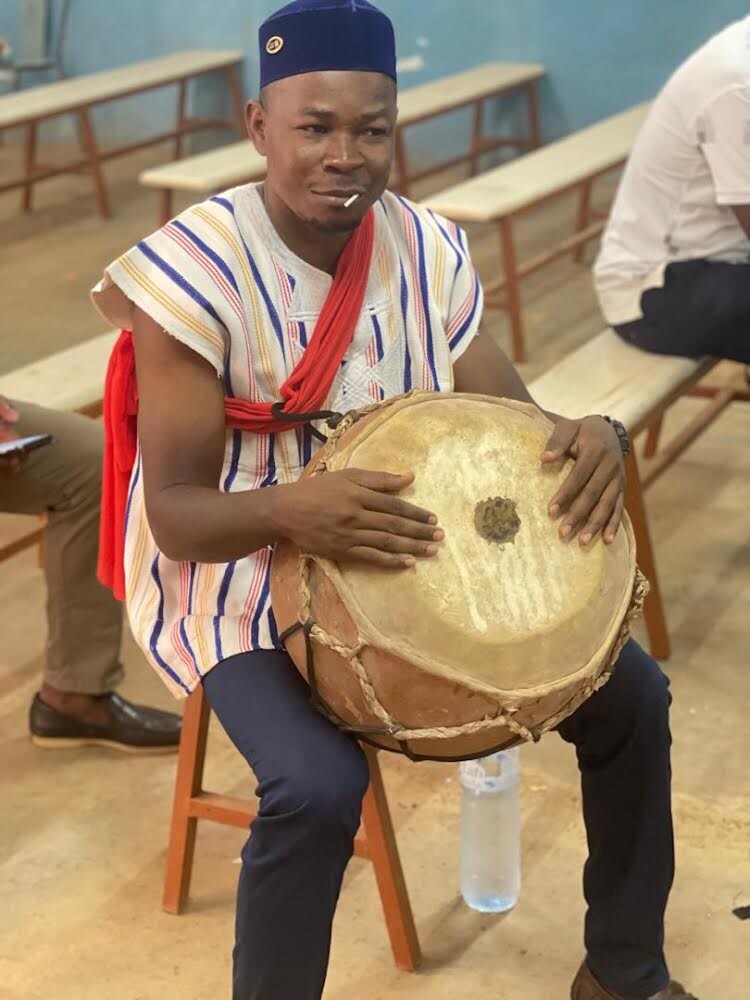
{"x":131,"y":728}
{"x":587,"y":987}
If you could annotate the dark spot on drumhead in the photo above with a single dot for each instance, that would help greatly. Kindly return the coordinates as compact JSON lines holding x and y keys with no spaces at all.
{"x":496,"y":520}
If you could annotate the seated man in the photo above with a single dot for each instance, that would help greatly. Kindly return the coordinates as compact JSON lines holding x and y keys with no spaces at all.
{"x":673,"y":273}
{"x":318,"y":289}
{"x":77,"y":704}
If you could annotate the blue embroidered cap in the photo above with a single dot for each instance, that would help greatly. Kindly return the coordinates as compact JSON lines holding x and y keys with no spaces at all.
{"x":309,"y":36}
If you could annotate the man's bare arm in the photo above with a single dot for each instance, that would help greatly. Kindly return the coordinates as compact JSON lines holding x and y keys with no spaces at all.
{"x":181,"y":429}
{"x":485,"y":369}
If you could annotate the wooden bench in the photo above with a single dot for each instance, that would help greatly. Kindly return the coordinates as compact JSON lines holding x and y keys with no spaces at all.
{"x":471,"y":88}
{"x":72,"y":379}
{"x":204,"y":174}
{"x":608,"y":376}
{"x":28,"y":108}
{"x":238,"y":163}
{"x":501,"y":195}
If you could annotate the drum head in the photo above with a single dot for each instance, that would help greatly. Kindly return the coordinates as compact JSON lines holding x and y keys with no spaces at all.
{"x":505,"y":605}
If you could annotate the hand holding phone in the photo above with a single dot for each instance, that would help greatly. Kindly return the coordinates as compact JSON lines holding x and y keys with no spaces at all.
{"x":14,"y":451}
{"x":20,"y":447}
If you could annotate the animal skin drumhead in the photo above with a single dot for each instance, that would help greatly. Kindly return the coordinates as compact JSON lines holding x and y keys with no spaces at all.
{"x":505,"y":605}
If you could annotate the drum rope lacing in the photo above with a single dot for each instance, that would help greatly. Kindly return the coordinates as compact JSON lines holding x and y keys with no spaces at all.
{"x":314,"y":633}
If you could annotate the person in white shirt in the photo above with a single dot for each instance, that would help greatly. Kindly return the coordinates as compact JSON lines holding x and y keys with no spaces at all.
{"x":673,"y":272}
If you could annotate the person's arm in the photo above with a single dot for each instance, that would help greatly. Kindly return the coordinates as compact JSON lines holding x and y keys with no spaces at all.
{"x":723,"y":129}
{"x":591,"y":498}
{"x":181,"y":431}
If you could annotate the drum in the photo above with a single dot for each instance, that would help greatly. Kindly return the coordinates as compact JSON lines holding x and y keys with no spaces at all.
{"x":496,"y":639}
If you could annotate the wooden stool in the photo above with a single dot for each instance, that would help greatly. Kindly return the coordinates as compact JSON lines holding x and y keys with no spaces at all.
{"x":375,"y":840}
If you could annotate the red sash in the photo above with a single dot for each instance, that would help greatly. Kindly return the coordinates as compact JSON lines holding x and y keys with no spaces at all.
{"x":305,"y":391}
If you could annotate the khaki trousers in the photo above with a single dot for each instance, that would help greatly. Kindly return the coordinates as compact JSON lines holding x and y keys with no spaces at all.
{"x":63,"y":481}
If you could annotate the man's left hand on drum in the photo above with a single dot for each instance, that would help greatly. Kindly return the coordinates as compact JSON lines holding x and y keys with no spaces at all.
{"x":591,"y":499}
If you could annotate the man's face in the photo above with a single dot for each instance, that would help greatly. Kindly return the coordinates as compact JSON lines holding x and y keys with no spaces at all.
{"x":327,"y":136}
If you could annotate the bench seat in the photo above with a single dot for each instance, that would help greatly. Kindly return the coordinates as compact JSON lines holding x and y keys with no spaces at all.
{"x":499,"y":196}
{"x":610,"y":377}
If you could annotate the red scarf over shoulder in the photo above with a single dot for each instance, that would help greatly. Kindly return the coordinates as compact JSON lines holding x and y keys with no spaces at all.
{"x":305,"y":391}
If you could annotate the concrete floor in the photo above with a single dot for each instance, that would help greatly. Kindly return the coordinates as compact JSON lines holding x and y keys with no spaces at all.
{"x":83,"y":833}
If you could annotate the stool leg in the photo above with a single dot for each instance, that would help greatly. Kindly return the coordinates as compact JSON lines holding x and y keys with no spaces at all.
{"x":188,"y":783}
{"x":383,"y":851}
{"x":653,"y":609}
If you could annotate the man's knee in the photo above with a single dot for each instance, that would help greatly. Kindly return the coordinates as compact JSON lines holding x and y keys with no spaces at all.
{"x":639,"y":693}
{"x":86,"y":483}
{"x":78,"y":458}
{"x":323,"y":795}
{"x":642,"y":678}
{"x":633,"y":704}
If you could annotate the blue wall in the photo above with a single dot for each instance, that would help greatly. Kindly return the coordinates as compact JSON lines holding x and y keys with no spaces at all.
{"x":600,"y":55}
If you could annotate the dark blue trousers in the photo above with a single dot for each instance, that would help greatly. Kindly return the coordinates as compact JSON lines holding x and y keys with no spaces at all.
{"x":312,"y":779}
{"x":702,"y":310}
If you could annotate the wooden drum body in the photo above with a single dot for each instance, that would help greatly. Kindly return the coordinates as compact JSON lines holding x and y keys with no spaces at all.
{"x":496,"y":639}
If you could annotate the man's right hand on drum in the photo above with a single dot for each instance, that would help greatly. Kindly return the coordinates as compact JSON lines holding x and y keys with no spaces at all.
{"x":356,"y":514}
{"x":351,"y":514}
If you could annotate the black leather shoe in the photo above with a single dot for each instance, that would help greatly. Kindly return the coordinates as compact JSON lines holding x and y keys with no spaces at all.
{"x":132,"y":728}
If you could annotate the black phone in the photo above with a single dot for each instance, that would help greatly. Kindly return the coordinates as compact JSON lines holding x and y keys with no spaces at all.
{"x":22,"y":446}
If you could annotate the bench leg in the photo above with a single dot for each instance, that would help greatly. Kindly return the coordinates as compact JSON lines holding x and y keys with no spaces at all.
{"x":180,"y":128}
{"x":238,"y":101}
{"x":383,"y":851}
{"x":583,"y":218}
{"x":477,"y":133}
{"x":652,"y":439}
{"x":95,"y":163}
{"x":165,"y":206}
{"x":512,"y":289}
{"x":532,"y":102}
{"x":29,"y":165}
{"x":189,"y":781}
{"x":402,"y":162}
{"x":653,"y":609}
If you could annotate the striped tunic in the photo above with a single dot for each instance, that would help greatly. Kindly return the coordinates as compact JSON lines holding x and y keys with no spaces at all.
{"x":220,"y":280}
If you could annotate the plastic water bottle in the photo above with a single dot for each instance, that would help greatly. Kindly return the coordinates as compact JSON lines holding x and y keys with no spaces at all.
{"x":491,"y":832}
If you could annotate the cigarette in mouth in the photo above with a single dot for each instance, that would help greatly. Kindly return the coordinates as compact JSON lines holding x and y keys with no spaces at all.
{"x":349,"y":202}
